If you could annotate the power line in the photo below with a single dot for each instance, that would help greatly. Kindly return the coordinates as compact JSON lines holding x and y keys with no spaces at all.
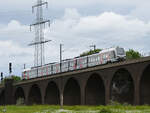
{"x":61,"y":56}
{"x":39,"y":41}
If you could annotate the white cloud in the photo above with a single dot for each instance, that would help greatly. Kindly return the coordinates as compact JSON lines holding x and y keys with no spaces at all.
{"x":109,"y":28}
{"x":17,"y":32}
{"x":15,"y":53}
{"x":14,"y":38}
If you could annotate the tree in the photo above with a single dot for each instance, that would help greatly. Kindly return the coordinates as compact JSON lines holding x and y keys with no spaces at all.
{"x":132,"y":54}
{"x":15,"y":78}
{"x":90,"y":52}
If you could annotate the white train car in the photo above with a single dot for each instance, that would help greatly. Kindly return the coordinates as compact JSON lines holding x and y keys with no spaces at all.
{"x":55,"y":68}
{"x":65,"y":65}
{"x":72,"y":64}
{"x":94,"y":60}
{"x":103,"y":57}
{"x":112,"y":55}
{"x":82,"y":62}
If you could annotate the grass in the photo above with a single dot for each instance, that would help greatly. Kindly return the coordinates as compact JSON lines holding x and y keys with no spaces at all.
{"x":76,"y":109}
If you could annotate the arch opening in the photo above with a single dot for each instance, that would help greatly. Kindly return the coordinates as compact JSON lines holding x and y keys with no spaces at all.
{"x":72,"y":93}
{"x":144,"y":87}
{"x":122,"y":87}
{"x":2,"y":98}
{"x":19,"y":96}
{"x":95,"y":91}
{"x":34,"y":95}
{"x":52,"y":94}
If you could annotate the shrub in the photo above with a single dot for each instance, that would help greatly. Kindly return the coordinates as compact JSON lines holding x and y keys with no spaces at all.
{"x":114,"y":103}
{"x":105,"y":111}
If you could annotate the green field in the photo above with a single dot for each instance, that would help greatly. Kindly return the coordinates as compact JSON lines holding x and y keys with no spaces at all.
{"x":75,"y":109}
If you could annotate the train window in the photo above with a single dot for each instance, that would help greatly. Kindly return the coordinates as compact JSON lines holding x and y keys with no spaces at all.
{"x":120,"y":51}
{"x":64,"y":65}
{"x":104,"y":56}
{"x":71,"y":63}
{"x":84,"y":62}
{"x":112,"y":54}
{"x":98,"y":58}
{"x":89,"y":59}
{"x":94,"y":58}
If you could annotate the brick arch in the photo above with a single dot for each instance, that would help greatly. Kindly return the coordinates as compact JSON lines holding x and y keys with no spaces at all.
{"x":19,"y":94}
{"x":144,"y":86}
{"x":122,"y":86}
{"x":2,"y":97}
{"x":95,"y":90}
{"x":72,"y":92}
{"x":65,"y":81}
{"x":52,"y":94}
{"x":34,"y":96}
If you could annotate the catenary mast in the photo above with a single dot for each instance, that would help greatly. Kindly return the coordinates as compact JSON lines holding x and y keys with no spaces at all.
{"x":39,"y":41}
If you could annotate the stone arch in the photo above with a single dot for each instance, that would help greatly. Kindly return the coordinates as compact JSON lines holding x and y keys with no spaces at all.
{"x":95,"y":90}
{"x":2,"y":98}
{"x":19,"y":96}
{"x":34,"y":96}
{"x":72,"y":93}
{"x":122,"y":87}
{"x":52,"y":94}
{"x":144,"y":86}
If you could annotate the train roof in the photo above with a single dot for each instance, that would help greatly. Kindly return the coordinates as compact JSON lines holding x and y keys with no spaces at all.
{"x":109,"y":49}
{"x":26,"y":69}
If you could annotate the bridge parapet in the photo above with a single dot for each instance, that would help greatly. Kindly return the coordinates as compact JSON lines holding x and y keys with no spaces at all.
{"x":100,"y":67}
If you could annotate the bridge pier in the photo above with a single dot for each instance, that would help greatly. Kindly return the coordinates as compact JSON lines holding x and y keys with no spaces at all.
{"x":43,"y":90}
{"x":61,"y":100}
{"x":137,"y":72}
{"x":137,"y":94}
{"x":61,"y":92}
{"x":43,"y":100}
{"x":137,"y":90}
{"x":26,"y":92}
{"x":83,"y":93}
{"x":8,"y":91}
{"x":107,"y":93}
{"x":26,"y":100}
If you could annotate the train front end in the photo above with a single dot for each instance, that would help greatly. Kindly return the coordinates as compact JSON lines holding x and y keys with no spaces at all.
{"x":120,"y":54}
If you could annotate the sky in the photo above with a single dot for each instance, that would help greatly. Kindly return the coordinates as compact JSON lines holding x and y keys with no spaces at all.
{"x":76,"y":24}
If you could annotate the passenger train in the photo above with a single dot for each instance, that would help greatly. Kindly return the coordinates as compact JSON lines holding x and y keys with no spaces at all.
{"x":103,"y":57}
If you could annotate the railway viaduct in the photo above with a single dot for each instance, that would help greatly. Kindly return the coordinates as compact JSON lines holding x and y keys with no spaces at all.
{"x":125,"y":82}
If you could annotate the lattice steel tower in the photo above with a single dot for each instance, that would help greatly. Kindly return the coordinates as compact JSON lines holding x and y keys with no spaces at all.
{"x":39,"y":41}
